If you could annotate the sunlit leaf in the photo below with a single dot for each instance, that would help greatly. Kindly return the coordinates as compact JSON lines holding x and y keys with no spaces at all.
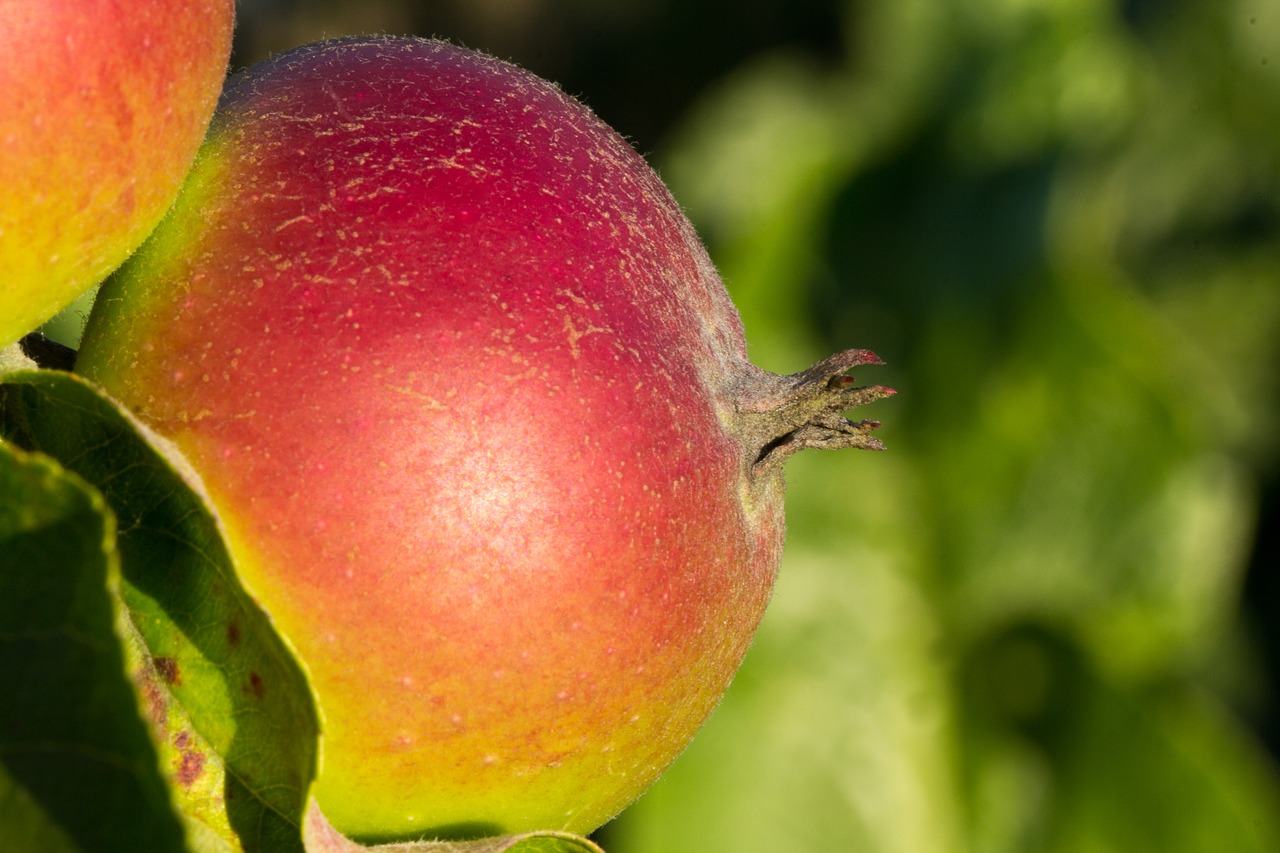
{"x":323,"y":838}
{"x":208,"y":645}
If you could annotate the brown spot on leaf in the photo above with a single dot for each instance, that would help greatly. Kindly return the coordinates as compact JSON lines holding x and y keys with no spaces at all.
{"x":157,"y":710}
{"x":190,"y":767}
{"x":169,"y":671}
{"x":182,"y":739}
{"x":255,"y":685}
{"x":233,"y":633}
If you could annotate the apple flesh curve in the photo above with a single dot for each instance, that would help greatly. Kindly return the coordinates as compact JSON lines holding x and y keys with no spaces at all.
{"x":476,"y":411}
{"x":104,"y":106}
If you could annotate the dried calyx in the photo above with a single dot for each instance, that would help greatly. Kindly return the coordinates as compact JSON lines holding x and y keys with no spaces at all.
{"x":781,"y":415}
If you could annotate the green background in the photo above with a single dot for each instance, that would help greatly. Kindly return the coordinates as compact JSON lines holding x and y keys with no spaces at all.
{"x":1045,"y":620}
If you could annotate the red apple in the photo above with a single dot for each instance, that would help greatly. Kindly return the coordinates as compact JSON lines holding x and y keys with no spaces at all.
{"x":103,"y":104}
{"x":476,"y":411}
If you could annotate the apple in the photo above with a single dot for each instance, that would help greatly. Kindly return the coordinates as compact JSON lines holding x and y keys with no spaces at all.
{"x":477,"y":414}
{"x":103,"y":104}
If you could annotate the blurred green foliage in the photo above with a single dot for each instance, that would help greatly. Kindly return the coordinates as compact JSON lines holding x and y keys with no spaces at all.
{"x":1018,"y":630}
{"x":1059,"y":222}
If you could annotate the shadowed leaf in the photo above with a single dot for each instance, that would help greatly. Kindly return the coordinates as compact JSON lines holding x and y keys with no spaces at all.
{"x":77,"y":770}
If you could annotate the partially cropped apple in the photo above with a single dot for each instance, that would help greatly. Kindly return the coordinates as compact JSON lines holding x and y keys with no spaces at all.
{"x":477,"y":413}
{"x":102,"y":107}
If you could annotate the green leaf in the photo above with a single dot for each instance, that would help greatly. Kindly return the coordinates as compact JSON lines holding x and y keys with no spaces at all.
{"x":1162,"y":769}
{"x":219,"y":682}
{"x":323,"y":838}
{"x":77,"y":769}
{"x":1152,"y":767}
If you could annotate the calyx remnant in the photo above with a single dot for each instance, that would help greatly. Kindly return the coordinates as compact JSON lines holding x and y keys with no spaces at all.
{"x":780,"y":415}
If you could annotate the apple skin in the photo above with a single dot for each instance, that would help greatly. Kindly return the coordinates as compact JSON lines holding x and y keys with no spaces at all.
{"x":105,"y":103}
{"x":476,"y":412}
